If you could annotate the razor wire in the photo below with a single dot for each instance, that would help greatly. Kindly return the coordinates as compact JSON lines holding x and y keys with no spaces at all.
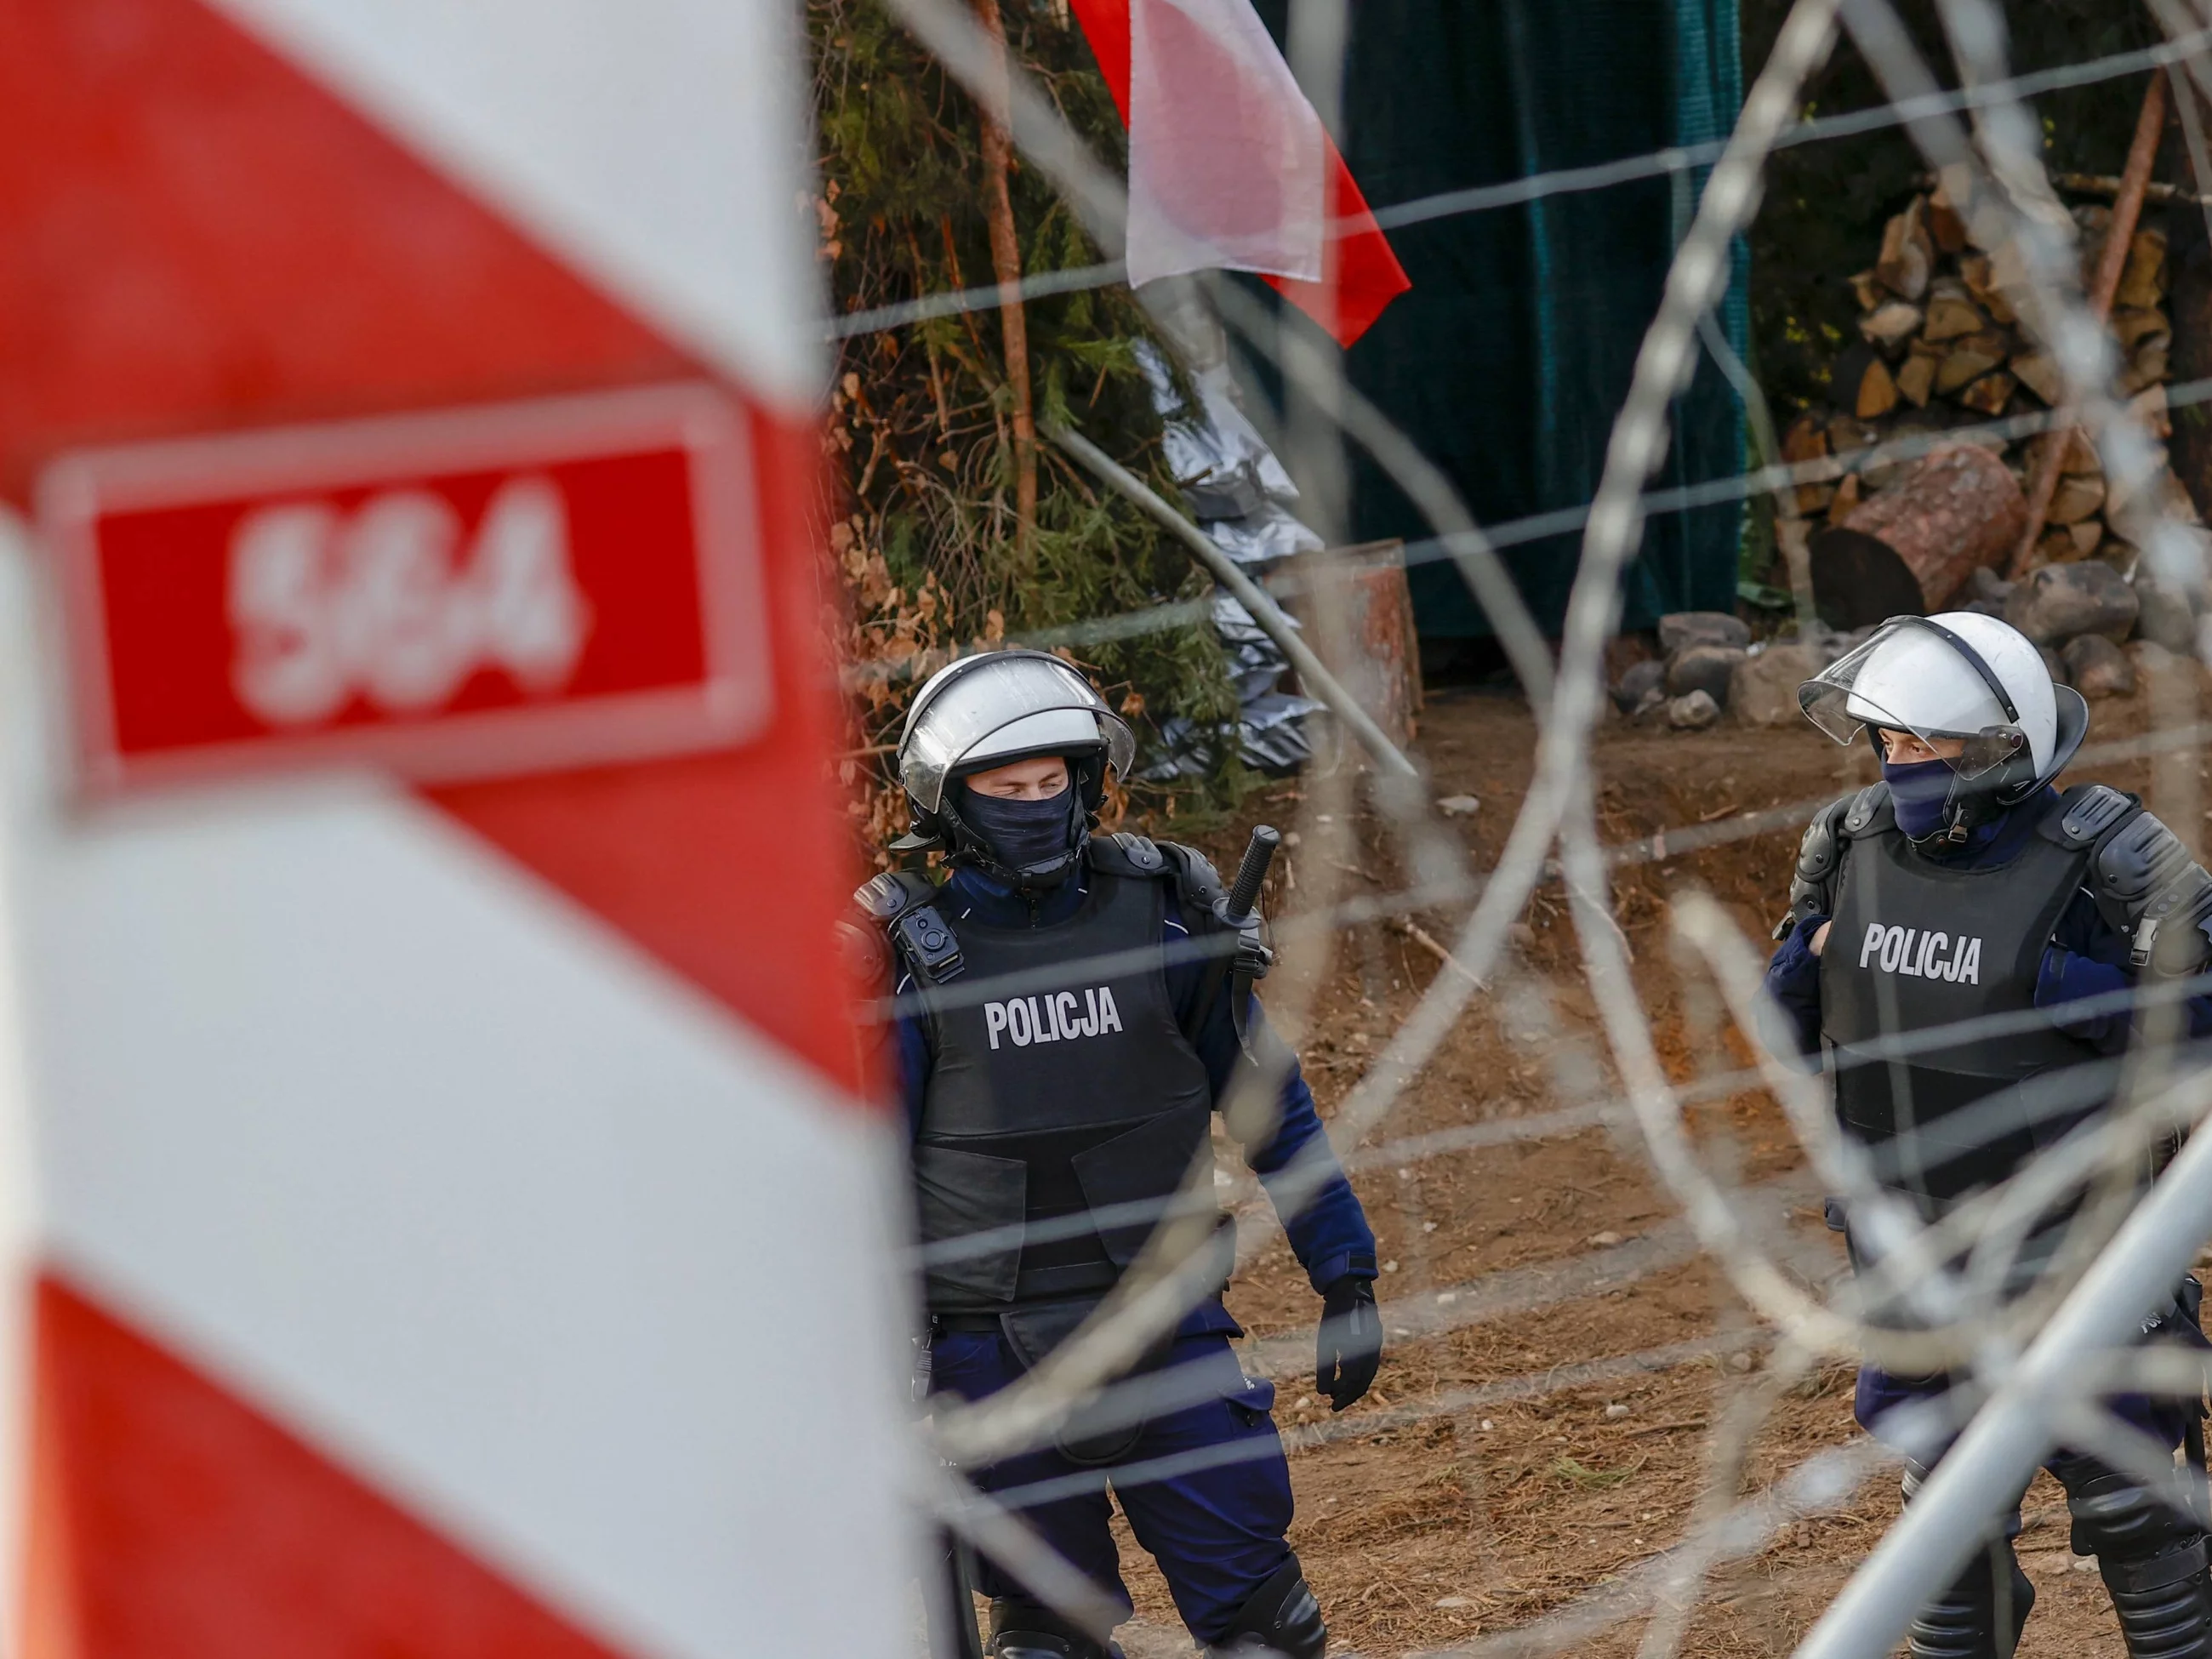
{"x":1813,"y":1316}
{"x":1673,"y":161}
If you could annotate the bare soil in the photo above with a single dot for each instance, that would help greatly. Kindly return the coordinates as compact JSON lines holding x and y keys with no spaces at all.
{"x":1422,"y":1527}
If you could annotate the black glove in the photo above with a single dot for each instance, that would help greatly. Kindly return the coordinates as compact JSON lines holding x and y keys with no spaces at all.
{"x":1349,"y":1350}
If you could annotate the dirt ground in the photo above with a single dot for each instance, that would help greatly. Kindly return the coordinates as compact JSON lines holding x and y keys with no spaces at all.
{"x":1486,"y":1483}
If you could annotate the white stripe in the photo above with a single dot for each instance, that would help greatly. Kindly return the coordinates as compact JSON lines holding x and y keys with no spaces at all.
{"x":658,"y":144}
{"x":451,"y":1178}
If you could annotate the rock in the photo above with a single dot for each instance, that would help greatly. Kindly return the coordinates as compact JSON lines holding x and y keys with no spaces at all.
{"x":1763,"y":691}
{"x":1693,"y":713}
{"x":1984,"y":583}
{"x":2054,"y":665}
{"x":2164,"y":615}
{"x":2061,"y":602}
{"x":2099,"y":668}
{"x":2153,"y":660}
{"x":1459,"y":806}
{"x":1686,"y":628}
{"x":1983,"y":593}
{"x":1636,"y":684}
{"x":1706,"y":668}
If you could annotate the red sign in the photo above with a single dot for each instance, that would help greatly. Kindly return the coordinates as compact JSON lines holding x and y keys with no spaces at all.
{"x":470,"y":592}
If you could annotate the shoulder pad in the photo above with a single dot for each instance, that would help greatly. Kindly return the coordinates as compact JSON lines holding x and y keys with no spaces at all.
{"x":1870,"y":812}
{"x":1126,"y":854}
{"x":2091,"y":810}
{"x":1198,"y":883}
{"x":2144,"y":858}
{"x":886,"y":896}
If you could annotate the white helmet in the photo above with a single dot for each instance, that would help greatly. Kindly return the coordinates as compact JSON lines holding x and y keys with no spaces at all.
{"x":998,"y":707}
{"x":1957,"y":675}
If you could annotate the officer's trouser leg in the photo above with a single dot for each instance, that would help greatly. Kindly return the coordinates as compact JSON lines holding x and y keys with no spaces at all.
{"x":1980,"y":1615}
{"x":1218,"y":1531}
{"x":975,"y":1364}
{"x":2151,"y":1556}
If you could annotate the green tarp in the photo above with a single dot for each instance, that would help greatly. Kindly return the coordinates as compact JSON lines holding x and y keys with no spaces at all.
{"x":1510,"y":359}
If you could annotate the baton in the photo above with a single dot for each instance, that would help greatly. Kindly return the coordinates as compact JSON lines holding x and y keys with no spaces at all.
{"x":1244,"y":895}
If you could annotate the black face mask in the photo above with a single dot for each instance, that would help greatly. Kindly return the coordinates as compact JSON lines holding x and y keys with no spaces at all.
{"x":1026,"y":836}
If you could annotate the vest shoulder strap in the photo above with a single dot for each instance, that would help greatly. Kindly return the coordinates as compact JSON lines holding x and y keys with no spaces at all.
{"x":1870,"y":813}
{"x":901,"y":904}
{"x":2088,"y":812}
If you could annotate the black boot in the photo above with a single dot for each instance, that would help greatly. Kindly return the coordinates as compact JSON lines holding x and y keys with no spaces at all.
{"x":2160,"y":1599}
{"x":1022,"y":1629}
{"x":1981,"y":1614}
{"x":1279,"y":1617}
{"x":2151,"y":1557}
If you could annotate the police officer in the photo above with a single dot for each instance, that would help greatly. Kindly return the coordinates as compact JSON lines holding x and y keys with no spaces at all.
{"x":1964,"y":885}
{"x":1073,"y":1008}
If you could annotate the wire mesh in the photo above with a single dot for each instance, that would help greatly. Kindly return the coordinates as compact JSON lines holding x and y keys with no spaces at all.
{"x":2032,"y":1369}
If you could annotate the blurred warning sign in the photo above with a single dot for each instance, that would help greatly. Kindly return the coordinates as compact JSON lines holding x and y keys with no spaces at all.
{"x":446,"y":595}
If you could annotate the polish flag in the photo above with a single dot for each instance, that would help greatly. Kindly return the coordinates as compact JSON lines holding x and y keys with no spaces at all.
{"x":1230,"y":167}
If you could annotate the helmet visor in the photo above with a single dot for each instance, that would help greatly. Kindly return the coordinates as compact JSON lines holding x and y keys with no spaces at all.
{"x":1838,"y":703}
{"x":969,"y":707}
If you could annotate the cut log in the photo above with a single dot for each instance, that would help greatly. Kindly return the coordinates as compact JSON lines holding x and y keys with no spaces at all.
{"x":1867,"y":288}
{"x":2037,"y":371}
{"x":1910,"y":548}
{"x":2078,"y":496}
{"x":1915,"y":376}
{"x":1877,"y":393}
{"x":2080,"y":456}
{"x":1944,"y":224}
{"x":1990,"y":394}
{"x":1889,"y":328}
{"x":1952,"y":316}
{"x":2140,"y":326}
{"x":1908,"y":254}
{"x":2144,"y":282}
{"x":2147,"y":369}
{"x":1979,"y":272}
{"x":1848,"y":494}
{"x":2089,"y":536}
{"x":2055,"y":547}
{"x":2150,"y":406}
{"x":1968,"y":360}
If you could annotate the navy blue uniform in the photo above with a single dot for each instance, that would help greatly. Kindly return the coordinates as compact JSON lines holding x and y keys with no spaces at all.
{"x":2086,"y":958}
{"x":1216,"y":1530}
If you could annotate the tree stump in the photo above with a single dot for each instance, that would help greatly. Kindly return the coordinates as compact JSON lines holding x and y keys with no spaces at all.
{"x":1365,"y":586}
{"x":1910,"y":548}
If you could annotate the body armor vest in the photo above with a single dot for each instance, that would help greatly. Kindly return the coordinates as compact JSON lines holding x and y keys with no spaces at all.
{"x":1914,"y":947}
{"x":1070,"y":1090}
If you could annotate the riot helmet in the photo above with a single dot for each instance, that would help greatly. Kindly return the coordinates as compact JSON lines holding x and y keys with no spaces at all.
{"x":1964,"y":677}
{"x":990,"y":710}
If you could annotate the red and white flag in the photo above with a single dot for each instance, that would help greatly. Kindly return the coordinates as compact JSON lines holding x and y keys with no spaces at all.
{"x":1230,"y":167}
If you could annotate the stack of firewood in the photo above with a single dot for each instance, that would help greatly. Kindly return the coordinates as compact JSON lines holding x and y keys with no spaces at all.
{"x":1940,"y":348}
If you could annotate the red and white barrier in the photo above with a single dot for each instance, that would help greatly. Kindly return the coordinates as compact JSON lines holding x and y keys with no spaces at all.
{"x":440,"y":1207}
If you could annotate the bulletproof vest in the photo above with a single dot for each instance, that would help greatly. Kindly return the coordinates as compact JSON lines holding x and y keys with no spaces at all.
{"x":1062,"y":1085}
{"x":1915,"y":946}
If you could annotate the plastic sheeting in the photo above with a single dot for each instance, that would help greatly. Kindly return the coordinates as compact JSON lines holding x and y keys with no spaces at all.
{"x":1236,"y":490}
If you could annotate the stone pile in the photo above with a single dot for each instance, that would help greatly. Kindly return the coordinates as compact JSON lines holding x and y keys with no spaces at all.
{"x":2096,"y":629}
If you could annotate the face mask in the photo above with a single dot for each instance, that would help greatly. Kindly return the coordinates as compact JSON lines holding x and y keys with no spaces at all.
{"x":1919,"y":794}
{"x":1023,"y":834}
